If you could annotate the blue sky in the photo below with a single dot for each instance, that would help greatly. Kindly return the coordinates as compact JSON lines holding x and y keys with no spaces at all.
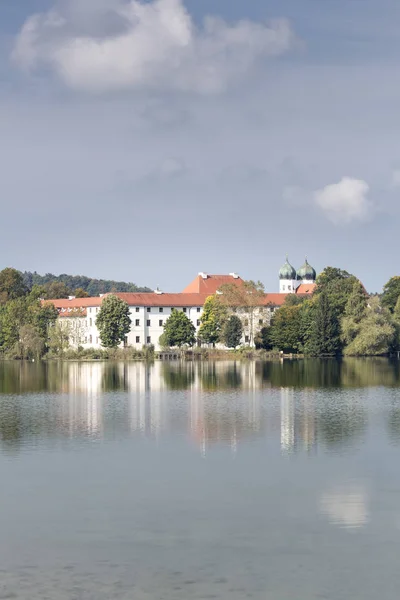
{"x":149,"y":142}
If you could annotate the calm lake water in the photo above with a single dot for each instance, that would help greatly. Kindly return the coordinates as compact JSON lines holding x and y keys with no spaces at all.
{"x":194,"y":481}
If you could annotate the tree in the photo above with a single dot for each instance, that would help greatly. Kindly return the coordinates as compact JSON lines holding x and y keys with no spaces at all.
{"x":354,"y":313}
{"x":30,"y":344}
{"x":113,"y":321}
{"x":11,"y":285}
{"x":179,"y":330}
{"x":324,"y":338}
{"x":285,"y":328}
{"x":246,"y":298}
{"x":375,"y":332}
{"x":338,"y":285}
{"x":233,"y":331}
{"x":56,"y":289}
{"x":59,"y":338}
{"x":391,"y":293}
{"x":212,"y":320}
{"x":41,"y":317}
{"x":80,"y":293}
{"x":12,"y":316}
{"x":263,"y":339}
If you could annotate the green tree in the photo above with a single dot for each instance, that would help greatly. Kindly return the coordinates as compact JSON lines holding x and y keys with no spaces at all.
{"x":13,"y":316}
{"x":58,"y":340}
{"x":338,"y":285}
{"x":324,"y":338}
{"x":246,"y":298}
{"x":391,"y":293}
{"x":233,"y":331}
{"x":42,"y":317}
{"x":113,"y":321}
{"x":56,"y":289}
{"x":179,"y":330}
{"x":354,"y":313}
{"x":285,"y":328}
{"x":263,"y":339}
{"x":375,"y":334}
{"x":11,"y":285}
{"x":30,"y":343}
{"x":212,"y":320}
{"x":80,"y":293}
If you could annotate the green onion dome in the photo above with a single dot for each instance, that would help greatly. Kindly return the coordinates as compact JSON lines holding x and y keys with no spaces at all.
{"x":306,"y":272}
{"x":287,"y":271}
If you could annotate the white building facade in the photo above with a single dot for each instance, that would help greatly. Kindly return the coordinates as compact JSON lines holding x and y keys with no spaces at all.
{"x":150,"y":311}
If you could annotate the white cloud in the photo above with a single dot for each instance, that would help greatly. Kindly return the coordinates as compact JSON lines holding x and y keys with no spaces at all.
{"x":152,"y":44}
{"x":345,"y":201}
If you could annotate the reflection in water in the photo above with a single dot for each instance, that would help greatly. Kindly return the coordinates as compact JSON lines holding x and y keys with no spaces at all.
{"x":346,"y":506}
{"x":306,"y":403}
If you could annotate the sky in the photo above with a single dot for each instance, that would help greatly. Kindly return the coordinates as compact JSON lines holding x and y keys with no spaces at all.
{"x":149,"y":141}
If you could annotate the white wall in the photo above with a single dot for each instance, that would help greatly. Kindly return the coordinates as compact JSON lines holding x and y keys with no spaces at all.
{"x":142,"y":333}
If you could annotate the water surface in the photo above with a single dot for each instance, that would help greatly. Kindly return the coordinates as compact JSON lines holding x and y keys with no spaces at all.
{"x":191,"y":481}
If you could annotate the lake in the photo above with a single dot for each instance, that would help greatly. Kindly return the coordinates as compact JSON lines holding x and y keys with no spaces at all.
{"x":181,"y":481}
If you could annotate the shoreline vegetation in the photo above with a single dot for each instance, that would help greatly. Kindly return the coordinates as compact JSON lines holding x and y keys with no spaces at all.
{"x":338,"y":319}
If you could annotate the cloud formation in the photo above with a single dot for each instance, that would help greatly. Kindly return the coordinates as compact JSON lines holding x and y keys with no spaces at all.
{"x":138,"y":44}
{"x":345,"y":201}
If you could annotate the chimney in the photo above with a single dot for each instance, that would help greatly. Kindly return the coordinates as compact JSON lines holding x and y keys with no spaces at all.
{"x":203,"y":275}
{"x":234,"y":275}
{"x":71,"y":297}
{"x":157,"y":291}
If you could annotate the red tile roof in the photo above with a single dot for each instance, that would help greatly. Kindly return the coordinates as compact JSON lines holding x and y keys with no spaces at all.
{"x":194,"y":295}
{"x":210,"y":284}
{"x":163,"y":299}
{"x":306,"y":288}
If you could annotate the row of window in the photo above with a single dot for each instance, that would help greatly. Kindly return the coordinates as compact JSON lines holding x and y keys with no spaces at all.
{"x":148,"y":339}
{"x":160,"y":323}
{"x":161,"y":309}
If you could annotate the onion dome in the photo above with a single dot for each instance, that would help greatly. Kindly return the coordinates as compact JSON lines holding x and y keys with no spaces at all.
{"x":287,"y":271}
{"x":306,"y":272}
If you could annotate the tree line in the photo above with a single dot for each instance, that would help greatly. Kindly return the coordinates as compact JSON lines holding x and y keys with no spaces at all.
{"x":62,"y":286}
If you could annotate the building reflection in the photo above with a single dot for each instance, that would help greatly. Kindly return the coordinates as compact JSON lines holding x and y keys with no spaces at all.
{"x":227,"y":403}
{"x":298,"y":422}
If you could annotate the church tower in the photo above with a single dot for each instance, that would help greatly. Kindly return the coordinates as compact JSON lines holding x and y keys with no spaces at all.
{"x":287,"y":279}
{"x":306,"y":274}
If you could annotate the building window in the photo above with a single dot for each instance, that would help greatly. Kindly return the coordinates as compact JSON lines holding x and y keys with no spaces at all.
{"x":160,"y":309}
{"x":97,"y":340}
{"x":138,"y":339}
{"x":90,"y":322}
{"x":148,"y":339}
{"x":283,"y":287}
{"x":90,"y":339}
{"x":260,"y":322}
{"x":184,"y":309}
{"x":148,"y":322}
{"x":198,"y":322}
{"x":247,"y":339}
{"x":137,"y":309}
{"x":148,"y":309}
{"x":137,"y":322}
{"x":289,"y":287}
{"x":198,"y":309}
{"x":90,"y":310}
{"x":246,"y":322}
{"x":160,"y":322}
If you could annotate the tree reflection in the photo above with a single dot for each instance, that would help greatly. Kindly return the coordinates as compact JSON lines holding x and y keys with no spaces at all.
{"x":178,"y":376}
